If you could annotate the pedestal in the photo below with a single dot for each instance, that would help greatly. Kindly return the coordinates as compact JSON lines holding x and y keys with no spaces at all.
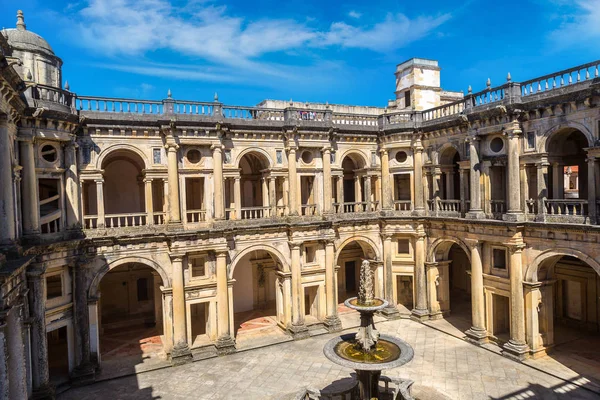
{"x":515,"y":351}
{"x":225,"y":345}
{"x":298,"y":332}
{"x":333,"y":323}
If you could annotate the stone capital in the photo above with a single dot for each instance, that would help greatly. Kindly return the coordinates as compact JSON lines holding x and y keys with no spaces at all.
{"x":217,"y":147}
{"x":515,"y":247}
{"x":294,"y":245}
{"x":326,"y":149}
{"x":171,"y":146}
{"x":472,"y":243}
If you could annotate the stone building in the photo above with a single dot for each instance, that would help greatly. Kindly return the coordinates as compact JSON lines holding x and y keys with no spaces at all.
{"x":184,"y":220}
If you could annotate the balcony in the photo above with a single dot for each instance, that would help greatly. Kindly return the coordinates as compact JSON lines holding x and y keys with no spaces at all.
{"x":566,"y":210}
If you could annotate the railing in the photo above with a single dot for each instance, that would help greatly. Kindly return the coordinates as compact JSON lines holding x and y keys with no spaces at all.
{"x":560,"y":79}
{"x":280,"y":211}
{"x":107,"y":104}
{"x":125,"y":220}
{"x":403,"y":205}
{"x":498,"y":206}
{"x":355,"y":119}
{"x":453,"y":108}
{"x":229,"y":213}
{"x":488,"y":96}
{"x":50,"y":223}
{"x":90,"y":221}
{"x":309,"y":209}
{"x":565,"y":207}
{"x":449,"y":205}
{"x":374,"y":206}
{"x":431,"y":206}
{"x":255,"y":212}
{"x":311,"y":115}
{"x":193,"y":108}
{"x":397,"y":117}
{"x":195,"y":216}
{"x":531,"y":206}
{"x":52,"y":94}
{"x":159,"y":218}
{"x":255,"y":113}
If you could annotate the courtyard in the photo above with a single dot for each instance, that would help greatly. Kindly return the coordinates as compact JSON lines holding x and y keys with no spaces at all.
{"x":442,"y":361}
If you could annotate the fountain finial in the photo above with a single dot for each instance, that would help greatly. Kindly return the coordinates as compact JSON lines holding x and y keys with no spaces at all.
{"x":365,"y":289}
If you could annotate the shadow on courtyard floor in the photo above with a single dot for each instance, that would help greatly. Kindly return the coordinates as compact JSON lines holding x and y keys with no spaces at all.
{"x":561,"y":391}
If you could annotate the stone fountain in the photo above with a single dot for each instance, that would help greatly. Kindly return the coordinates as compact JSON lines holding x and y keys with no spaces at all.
{"x":368,"y":352}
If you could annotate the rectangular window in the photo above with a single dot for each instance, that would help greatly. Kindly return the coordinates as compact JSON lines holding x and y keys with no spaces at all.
{"x":227,"y":156}
{"x":373,"y":159}
{"x":531,"y":140}
{"x":403,"y":246}
{"x":407,"y":98}
{"x":332,"y":155}
{"x":310,"y":254}
{"x":198,"y":266}
{"x":86,"y":154}
{"x":156,"y":156}
{"x":499,"y":258}
{"x":54,"y":286}
{"x":279,"y":155}
{"x":142,"y":289}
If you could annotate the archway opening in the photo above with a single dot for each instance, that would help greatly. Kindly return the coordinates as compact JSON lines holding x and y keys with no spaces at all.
{"x":568,"y":172}
{"x":451,"y":283}
{"x":348,"y":275}
{"x":58,"y":354}
{"x":258,"y":297}
{"x":254,"y":189}
{"x":130,"y":316}
{"x":353,"y":186}
{"x":450,"y":182}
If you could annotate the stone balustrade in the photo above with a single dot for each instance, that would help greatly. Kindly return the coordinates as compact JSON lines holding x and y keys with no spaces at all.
{"x":125,"y":220}
{"x":114,"y":105}
{"x":195,"y":216}
{"x":566,"y":207}
{"x":403,"y":205}
{"x":560,"y":79}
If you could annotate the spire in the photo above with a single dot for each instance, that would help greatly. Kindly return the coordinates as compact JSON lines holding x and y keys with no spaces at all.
{"x":216,"y":97}
{"x":67,"y":87}
{"x":488,"y":83}
{"x":169,"y":95}
{"x":21,"y":21}
{"x":508,"y":77}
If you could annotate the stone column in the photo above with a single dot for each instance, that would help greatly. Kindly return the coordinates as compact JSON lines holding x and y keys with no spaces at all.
{"x":327,"y":190}
{"x":449,"y":184}
{"x":390,"y":312}
{"x":100,"y":202}
{"x":237,"y":197}
{"x":292,"y":182}
{"x":420,"y":312}
{"x":4,"y":370}
{"x":8,"y":233}
{"x":357,"y":191}
{"x":368,"y":193}
{"x":475,"y":211}
{"x":332,"y":321}
{"x":515,"y":213}
{"x":149,"y":204}
{"x":477,"y":333}
{"x":180,"y":353}
{"x":298,"y":329}
{"x":225,"y":342}
{"x":462,"y":194}
{"x":72,"y":187}
{"x":17,"y":359}
{"x":173,"y":170}
{"x":558,"y":181}
{"x":340,"y":193}
{"x":435,"y":176}
{"x":516,"y":347}
{"x":265,"y":195}
{"x":386,"y":185}
{"x":218,"y":180}
{"x":591,"y":182}
{"x":42,"y":388}
{"x":273,"y":195}
{"x":419,"y":182}
{"x":30,"y":196}
{"x":542,"y":188}
{"x":166,"y":200}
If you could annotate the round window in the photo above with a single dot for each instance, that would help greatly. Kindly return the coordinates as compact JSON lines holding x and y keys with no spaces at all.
{"x":497,"y":144}
{"x":194,"y":156}
{"x":401,"y":156}
{"x":307,"y":157}
{"x":49,"y":153}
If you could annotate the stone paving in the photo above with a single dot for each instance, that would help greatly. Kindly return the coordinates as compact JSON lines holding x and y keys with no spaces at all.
{"x":444,"y":362}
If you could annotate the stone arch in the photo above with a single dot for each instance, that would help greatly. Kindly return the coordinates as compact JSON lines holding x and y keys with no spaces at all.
{"x":268,"y":248}
{"x":124,"y":147}
{"x":446,"y":240}
{"x":262,"y":154}
{"x":542,"y":147}
{"x":362,"y":240}
{"x":95,"y":283}
{"x":531,"y":274}
{"x":443,"y":152}
{"x":358,"y":158}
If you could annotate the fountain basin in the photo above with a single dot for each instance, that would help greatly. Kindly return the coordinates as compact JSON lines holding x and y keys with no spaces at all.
{"x":393,"y":353}
{"x":375,"y":305}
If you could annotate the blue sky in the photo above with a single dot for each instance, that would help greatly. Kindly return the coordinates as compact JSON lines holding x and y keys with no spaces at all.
{"x":343,"y":52}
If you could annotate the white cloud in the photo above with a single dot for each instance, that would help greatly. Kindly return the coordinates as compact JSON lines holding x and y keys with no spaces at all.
{"x":354,"y":14}
{"x":580,"y":21}
{"x":124,"y":29}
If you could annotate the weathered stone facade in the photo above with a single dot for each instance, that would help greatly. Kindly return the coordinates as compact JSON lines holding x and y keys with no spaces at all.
{"x":212,"y":210}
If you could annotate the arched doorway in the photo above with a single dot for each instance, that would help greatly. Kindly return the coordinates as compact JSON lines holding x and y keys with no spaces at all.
{"x":450,"y":285}
{"x":349,"y":260}
{"x":253,"y":168}
{"x":258,"y":298}
{"x":353,"y":186}
{"x":130,"y":317}
{"x":568,"y":173}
